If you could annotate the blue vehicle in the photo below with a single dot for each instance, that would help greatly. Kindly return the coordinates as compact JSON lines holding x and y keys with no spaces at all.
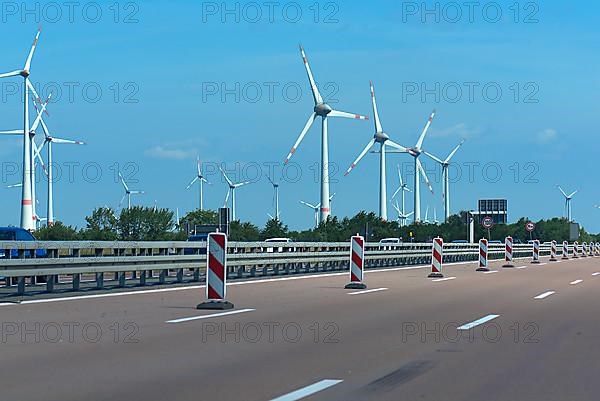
{"x":18,"y":234}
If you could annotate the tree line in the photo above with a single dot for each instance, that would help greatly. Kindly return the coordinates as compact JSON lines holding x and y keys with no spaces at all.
{"x":154,"y":224}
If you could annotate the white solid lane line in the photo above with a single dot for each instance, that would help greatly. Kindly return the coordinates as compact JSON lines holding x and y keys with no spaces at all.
{"x":491,"y":272}
{"x":188,"y":319}
{"x":367,"y":291}
{"x":596,"y":274}
{"x":521,"y":267}
{"x":308,"y":390}
{"x":576,"y":282}
{"x":485,"y":319}
{"x":545,"y":295}
{"x":437,"y":280}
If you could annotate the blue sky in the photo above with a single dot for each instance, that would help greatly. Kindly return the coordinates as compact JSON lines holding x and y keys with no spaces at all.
{"x":144,"y":88}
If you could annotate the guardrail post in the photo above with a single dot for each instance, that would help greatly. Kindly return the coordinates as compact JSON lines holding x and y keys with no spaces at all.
{"x":76,"y":281}
{"x":21,"y":286}
{"x":162,"y":276}
{"x":179,"y":275}
{"x":143,"y":274}
{"x":100,"y":280}
{"x":196,"y":274}
{"x":49,"y":283}
{"x":121,"y":276}
{"x":253,"y":271}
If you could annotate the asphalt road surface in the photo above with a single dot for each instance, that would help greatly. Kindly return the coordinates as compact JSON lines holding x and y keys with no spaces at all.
{"x":528,"y":333}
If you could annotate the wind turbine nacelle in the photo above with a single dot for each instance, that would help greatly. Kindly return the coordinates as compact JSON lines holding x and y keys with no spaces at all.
{"x":323,"y":109}
{"x":414,"y":152}
{"x":381,"y":137}
{"x":24,"y":73}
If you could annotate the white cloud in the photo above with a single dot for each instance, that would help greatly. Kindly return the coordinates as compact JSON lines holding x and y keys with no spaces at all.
{"x":460,"y":130}
{"x":547,"y":135}
{"x":159,"y":152}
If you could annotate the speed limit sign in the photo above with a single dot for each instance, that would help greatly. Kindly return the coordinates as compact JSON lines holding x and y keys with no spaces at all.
{"x":487,"y":222}
{"x":530,"y":226}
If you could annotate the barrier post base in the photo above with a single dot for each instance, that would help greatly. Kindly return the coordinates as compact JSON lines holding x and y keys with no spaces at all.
{"x":215,"y":304}
{"x":565,"y":258}
{"x":535,"y":262}
{"x":552,"y":260}
{"x":355,"y":285}
{"x":435,"y":275}
{"x":482,"y":269}
{"x":508,"y":265}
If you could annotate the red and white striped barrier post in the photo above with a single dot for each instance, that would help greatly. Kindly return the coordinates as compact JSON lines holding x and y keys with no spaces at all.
{"x":553,"y":251}
{"x":357,"y":263}
{"x":575,"y":250}
{"x":565,"y":250}
{"x":508,"y":252}
{"x":597,"y":249}
{"x":584,"y":250}
{"x":437,"y":258}
{"x":536,"y":252}
{"x":216,"y":273}
{"x":483,"y":256}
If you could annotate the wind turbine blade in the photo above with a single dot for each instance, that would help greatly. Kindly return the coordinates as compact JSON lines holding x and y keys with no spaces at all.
{"x":308,"y":204}
{"x":315,"y":91}
{"x":13,"y":132}
{"x":270,"y":180}
{"x":378,"y":127}
{"x":360,"y":156}
{"x":14,"y":186}
{"x":227,"y":197}
{"x":425,"y":129}
{"x":434,"y":157}
{"x":400,"y":176}
{"x":309,"y":123}
{"x":192,"y":183}
{"x":330,"y":198}
{"x":10,"y":74}
{"x":40,"y":112}
{"x":573,"y":194}
{"x":396,"y":193}
{"x":410,"y":214}
{"x":123,"y":182}
{"x":122,"y":199}
{"x":69,"y":141}
{"x":226,"y":178}
{"x":33,"y":46}
{"x":198,"y":165}
{"x":32,"y":89}
{"x":451,"y":155}
{"x":343,"y":114}
{"x":241,"y":184}
{"x":395,"y":145}
{"x":561,"y":190}
{"x":422,"y":171}
{"x":37,"y":154}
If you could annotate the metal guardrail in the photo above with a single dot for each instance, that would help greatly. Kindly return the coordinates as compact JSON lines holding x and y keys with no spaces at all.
{"x":77,"y":264}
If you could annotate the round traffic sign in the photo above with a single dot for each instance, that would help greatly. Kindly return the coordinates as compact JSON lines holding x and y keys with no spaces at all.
{"x":487,"y":222}
{"x":530,"y":226}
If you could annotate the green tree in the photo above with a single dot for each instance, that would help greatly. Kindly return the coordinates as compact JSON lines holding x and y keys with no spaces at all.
{"x":57,"y":232}
{"x":101,"y":225}
{"x":274,"y":229}
{"x":145,"y":224}
{"x":239,"y":231}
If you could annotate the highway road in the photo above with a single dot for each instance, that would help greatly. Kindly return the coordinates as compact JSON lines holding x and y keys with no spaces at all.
{"x":527,"y":333}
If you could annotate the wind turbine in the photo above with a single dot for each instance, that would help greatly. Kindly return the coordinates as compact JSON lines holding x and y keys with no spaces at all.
{"x":231,"y":191}
{"x":383,"y":139}
{"x":415,"y":152}
{"x":402,"y":216}
{"x":49,"y":139}
{"x":427,"y":215}
{"x":128,"y":192}
{"x":404,"y":188}
{"x":201,"y":180}
{"x":275,"y":197}
{"x":323,"y":110}
{"x":316,"y":208}
{"x":435,"y":219}
{"x":567,"y":202}
{"x":446,"y":178}
{"x":27,"y":216}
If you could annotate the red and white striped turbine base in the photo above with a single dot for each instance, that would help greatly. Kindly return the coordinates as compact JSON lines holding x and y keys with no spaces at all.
{"x":216,"y":273}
